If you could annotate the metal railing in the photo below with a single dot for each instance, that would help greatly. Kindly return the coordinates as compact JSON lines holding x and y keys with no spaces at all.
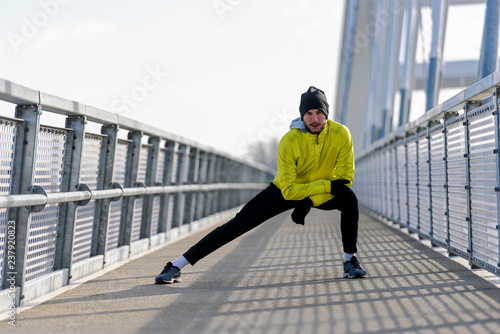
{"x":73,"y":202}
{"x":439,"y":176}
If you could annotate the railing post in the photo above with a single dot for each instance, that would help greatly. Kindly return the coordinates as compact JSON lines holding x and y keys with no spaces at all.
{"x":391,"y":190}
{"x":496,"y":112}
{"x":430,"y":209}
{"x":407,"y":183}
{"x":468,"y":105}
{"x":71,"y":180}
{"x":150,"y":181}
{"x":417,"y":176}
{"x":446,"y":117}
{"x":383,"y":202}
{"x":133,"y":155}
{"x":23,"y":174}
{"x":396,"y":175}
{"x":106,"y":168}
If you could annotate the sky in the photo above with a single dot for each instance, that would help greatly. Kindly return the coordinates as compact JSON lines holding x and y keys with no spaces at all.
{"x":224,"y":73}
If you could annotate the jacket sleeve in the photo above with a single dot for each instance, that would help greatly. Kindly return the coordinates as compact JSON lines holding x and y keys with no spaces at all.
{"x":344,"y":166}
{"x":287,"y":177}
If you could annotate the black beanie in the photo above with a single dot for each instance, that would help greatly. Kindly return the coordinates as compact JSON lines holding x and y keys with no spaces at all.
{"x":314,"y":98}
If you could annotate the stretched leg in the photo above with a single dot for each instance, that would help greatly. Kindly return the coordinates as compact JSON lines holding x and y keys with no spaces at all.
{"x":267,"y":204}
{"x":347,"y":204}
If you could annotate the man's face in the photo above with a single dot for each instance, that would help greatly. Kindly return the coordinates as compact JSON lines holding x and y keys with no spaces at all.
{"x":315,"y":120}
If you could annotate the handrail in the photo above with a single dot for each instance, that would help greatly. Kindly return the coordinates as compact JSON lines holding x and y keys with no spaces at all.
{"x":11,"y":201}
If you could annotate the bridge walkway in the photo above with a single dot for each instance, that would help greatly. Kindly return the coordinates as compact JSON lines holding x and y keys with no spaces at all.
{"x":280,"y":278}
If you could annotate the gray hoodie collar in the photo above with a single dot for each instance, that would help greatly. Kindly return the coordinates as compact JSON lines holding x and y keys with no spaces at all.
{"x":298,"y":124}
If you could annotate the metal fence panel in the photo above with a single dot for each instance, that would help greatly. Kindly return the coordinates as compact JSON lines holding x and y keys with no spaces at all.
{"x":438,"y":183}
{"x":137,"y":219}
{"x":155,"y":214}
{"x":388,"y":183}
{"x":412,"y":183}
{"x":43,"y":224}
{"x":482,"y":145}
{"x":8,"y":134}
{"x":394,"y":182}
{"x":401,"y":183}
{"x":115,"y":210}
{"x":379,"y":184}
{"x":457,"y":192}
{"x":424,"y":204}
{"x":89,"y":174}
{"x":139,"y":202}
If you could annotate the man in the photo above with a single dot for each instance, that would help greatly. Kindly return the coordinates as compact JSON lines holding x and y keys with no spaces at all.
{"x":315,"y":169}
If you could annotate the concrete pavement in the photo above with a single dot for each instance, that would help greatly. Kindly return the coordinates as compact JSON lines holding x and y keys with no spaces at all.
{"x":281,"y":278}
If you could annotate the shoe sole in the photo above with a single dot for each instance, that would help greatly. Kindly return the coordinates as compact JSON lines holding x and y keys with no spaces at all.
{"x":175,"y":280}
{"x":355,"y":276}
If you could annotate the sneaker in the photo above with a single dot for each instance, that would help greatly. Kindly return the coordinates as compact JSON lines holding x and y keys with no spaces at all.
{"x":170,"y":274}
{"x":352,"y":269}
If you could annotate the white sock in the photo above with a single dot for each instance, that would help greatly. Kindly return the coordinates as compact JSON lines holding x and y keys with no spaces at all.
{"x":181,"y":262}
{"x":348,"y":257}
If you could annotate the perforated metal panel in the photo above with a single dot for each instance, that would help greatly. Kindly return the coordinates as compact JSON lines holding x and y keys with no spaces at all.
{"x":379,"y":185}
{"x":175,"y":165}
{"x":115,"y":209}
{"x":139,"y":202}
{"x":387,"y":175}
{"x":401,"y":189}
{"x":483,"y":181}
{"x":394,"y":185}
{"x":143,"y":163}
{"x":361,"y":192}
{"x":155,"y":214}
{"x":43,"y":224}
{"x":114,"y":224}
{"x":457,"y":194}
{"x":170,"y":211}
{"x":137,"y":218}
{"x":120,"y":163}
{"x":412,"y":165}
{"x":161,"y":165}
{"x":438,"y":181}
{"x":424,"y":203}
{"x":89,"y":175}
{"x":8,"y":132}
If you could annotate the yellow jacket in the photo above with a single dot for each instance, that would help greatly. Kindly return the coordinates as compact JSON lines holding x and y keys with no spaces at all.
{"x":308,"y":162}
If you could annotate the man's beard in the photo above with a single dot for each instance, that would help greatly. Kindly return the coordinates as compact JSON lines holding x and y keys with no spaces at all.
{"x":317,"y":132}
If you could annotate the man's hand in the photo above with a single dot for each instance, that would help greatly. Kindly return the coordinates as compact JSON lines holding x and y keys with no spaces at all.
{"x":339,"y":187}
{"x":301,"y":210}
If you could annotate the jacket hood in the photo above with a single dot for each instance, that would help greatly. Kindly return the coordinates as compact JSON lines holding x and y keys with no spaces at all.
{"x":298,"y":124}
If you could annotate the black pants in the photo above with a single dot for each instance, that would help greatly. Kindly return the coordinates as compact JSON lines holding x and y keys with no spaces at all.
{"x":267,"y":204}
